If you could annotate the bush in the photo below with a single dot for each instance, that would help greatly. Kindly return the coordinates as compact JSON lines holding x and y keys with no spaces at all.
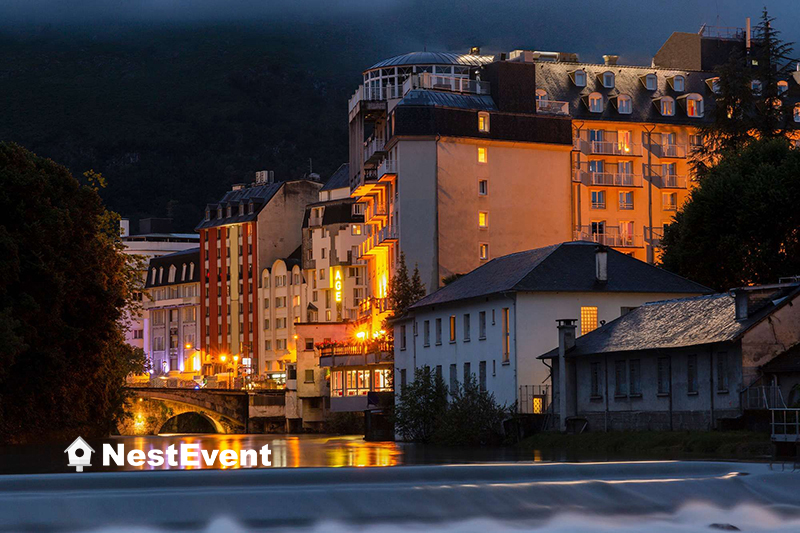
{"x":421,"y":406}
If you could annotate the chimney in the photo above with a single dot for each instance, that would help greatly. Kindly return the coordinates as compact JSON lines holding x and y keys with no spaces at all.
{"x":237,"y":187}
{"x":265,"y":177}
{"x":566,"y":334}
{"x":610,"y":60}
{"x":566,"y":340}
{"x":475,"y":51}
{"x":601,"y":264}
{"x":741,"y":298}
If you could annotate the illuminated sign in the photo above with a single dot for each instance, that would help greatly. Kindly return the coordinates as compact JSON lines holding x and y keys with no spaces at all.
{"x":336,"y":279}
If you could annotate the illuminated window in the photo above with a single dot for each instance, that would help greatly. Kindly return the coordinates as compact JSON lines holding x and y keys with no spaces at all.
{"x":694,"y":105}
{"x":483,"y":219}
{"x":588,"y":319}
{"x":667,"y":106}
{"x":607,"y":78}
{"x":482,"y":154}
{"x":579,"y":78}
{"x":624,"y":141}
{"x":624,"y":106}
{"x":483,"y":251}
{"x":596,"y":103}
{"x":483,"y":122}
{"x":506,"y":335}
{"x":483,"y":187}
{"x":452,"y":328}
{"x":650,"y":82}
{"x":783,"y":86}
{"x":337,"y":386}
{"x":382,"y":380}
{"x":356,"y":229}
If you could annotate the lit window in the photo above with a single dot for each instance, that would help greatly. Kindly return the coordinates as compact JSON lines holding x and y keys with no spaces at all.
{"x":356,"y":229}
{"x":483,"y":187}
{"x":452,"y":328}
{"x":579,"y":78}
{"x":608,"y":79}
{"x":588,"y":319}
{"x":483,"y":219}
{"x":624,"y":106}
{"x":694,"y":105}
{"x":755,"y":86}
{"x":783,"y":86}
{"x":596,"y":103}
{"x":796,"y":113}
{"x":482,"y":154}
{"x":650,"y":82}
{"x":483,"y":251}
{"x":678,"y":83}
{"x":506,"y":335}
{"x":624,"y":141}
{"x":667,"y":106}
{"x":483,"y":122}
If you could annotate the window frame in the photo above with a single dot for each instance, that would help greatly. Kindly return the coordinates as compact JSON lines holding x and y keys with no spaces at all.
{"x":483,"y":122}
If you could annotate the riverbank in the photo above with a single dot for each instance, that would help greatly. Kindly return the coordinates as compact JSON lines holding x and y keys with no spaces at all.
{"x":655,"y":444}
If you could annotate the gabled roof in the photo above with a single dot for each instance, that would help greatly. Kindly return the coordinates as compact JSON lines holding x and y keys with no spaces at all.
{"x":338,"y":211}
{"x":788,"y":361}
{"x":339,"y":179}
{"x":79,"y":442}
{"x":566,"y":267}
{"x":673,"y":324}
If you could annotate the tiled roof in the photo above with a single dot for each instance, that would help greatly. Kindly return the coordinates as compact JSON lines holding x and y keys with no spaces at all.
{"x":177,"y":259}
{"x":339,"y":179}
{"x":336,"y":212}
{"x":419,"y":97}
{"x":569,"y":266}
{"x":433,"y":58}
{"x":673,"y":324}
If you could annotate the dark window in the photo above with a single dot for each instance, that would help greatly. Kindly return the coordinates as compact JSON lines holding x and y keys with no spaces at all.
{"x":482,"y":375}
{"x":691,"y":374}
{"x":595,"y":372}
{"x":309,"y":344}
{"x":636,"y":377}
{"x":403,"y":337}
{"x":466,"y":372}
{"x":722,"y":372}
{"x":620,"y":379}
{"x":663,"y":375}
{"x":402,"y":378}
{"x":309,"y":376}
{"x":439,"y":372}
{"x":453,"y":378}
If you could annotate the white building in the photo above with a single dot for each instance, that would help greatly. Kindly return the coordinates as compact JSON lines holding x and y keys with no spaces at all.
{"x":494,"y":322}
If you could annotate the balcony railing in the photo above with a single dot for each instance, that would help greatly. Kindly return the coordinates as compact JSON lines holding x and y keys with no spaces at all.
{"x":376,"y":305}
{"x":387,"y":167}
{"x":374,"y":146}
{"x":357,"y":348}
{"x":382,"y":237}
{"x":426,"y":80}
{"x":653,"y":236}
{"x":665,"y":180}
{"x":374,"y":94}
{"x":614,"y":147}
{"x":552,"y":107}
{"x":610,"y":236}
{"x":612,"y":179}
{"x":668,"y":151}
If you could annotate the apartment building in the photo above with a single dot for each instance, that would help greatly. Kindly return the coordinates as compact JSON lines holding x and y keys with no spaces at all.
{"x":248,"y":230}
{"x":172,"y":312}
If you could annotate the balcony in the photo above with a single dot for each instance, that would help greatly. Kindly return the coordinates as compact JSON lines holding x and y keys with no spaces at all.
{"x":666,"y":181}
{"x":610,"y":236}
{"x":356,"y":353}
{"x":378,"y":95}
{"x":368,"y":306}
{"x":668,"y":151}
{"x":374,"y":149}
{"x":608,"y":179}
{"x":552,"y":107}
{"x":612,"y":147}
{"x":426,"y":80}
{"x":653,"y":236}
{"x":387,"y":169}
{"x":379,"y":239}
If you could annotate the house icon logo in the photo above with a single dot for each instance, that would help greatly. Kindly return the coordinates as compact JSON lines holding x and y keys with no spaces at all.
{"x":80,"y":454}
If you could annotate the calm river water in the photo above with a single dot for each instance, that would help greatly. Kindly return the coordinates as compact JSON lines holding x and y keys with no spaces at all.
{"x":288,"y":451}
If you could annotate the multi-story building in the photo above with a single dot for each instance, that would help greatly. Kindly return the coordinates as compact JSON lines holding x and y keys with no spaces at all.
{"x":172,"y":310}
{"x":247,"y":231}
{"x":154,"y":239}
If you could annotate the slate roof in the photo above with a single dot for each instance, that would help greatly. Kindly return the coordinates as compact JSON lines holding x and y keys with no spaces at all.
{"x":338,"y":211}
{"x":339,"y":179}
{"x":566,"y":267}
{"x":178,"y":259}
{"x":670,"y":324}
{"x":433,"y":58}
{"x":259,"y":194}
{"x":421,"y":97}
{"x":788,"y":361}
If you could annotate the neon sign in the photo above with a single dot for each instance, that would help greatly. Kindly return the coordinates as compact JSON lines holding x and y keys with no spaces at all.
{"x":336,"y":276}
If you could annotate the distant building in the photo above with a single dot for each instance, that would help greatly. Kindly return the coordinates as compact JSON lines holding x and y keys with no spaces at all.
{"x":680,"y":364}
{"x":172,"y":311}
{"x":492,"y":323}
{"x":249,"y":229}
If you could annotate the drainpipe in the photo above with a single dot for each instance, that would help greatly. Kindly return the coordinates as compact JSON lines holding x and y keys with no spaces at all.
{"x":711,"y":381}
{"x":651,"y":256}
{"x":605,"y":364}
{"x":669,"y":368}
{"x":576,"y":198}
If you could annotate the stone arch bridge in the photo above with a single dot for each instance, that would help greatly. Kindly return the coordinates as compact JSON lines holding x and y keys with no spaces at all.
{"x":229,"y":411}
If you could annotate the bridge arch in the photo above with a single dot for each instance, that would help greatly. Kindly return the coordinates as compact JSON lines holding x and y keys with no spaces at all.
{"x":215,"y":425}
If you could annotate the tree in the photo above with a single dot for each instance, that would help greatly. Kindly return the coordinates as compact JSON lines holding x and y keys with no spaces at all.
{"x":421,"y":406}
{"x":63,"y":285}
{"x":741,"y":224}
{"x":473,"y":417}
{"x":403,"y":291}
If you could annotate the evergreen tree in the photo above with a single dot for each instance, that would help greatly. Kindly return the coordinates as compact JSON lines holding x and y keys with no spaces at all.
{"x":63,"y":286}
{"x":403,"y":291}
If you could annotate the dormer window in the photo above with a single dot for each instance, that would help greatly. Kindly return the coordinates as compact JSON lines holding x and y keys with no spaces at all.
{"x":578,"y":77}
{"x":483,"y":122}
{"x":229,"y":212}
{"x":241,"y":209}
{"x":208,"y":214}
{"x":219,"y":212}
{"x":694,"y":105}
{"x":666,"y":106}
{"x":596,"y":103}
{"x":755,"y":86}
{"x":624,"y":104}
{"x":783,"y":86}
{"x":713,"y":84}
{"x":796,"y":113}
{"x":650,"y":82}
{"x":250,"y":208}
{"x":607,"y":79}
{"x":678,"y":83}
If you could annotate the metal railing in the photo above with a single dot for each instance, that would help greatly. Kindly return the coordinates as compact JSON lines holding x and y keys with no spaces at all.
{"x":387,"y":166}
{"x":613,"y":147}
{"x":533,"y":399}
{"x":552,"y":107}
{"x":611,"y":236}
{"x":721,"y":32}
{"x":372,"y":146}
{"x":357,"y":348}
{"x":380,"y":237}
{"x":762,"y":397}
{"x":669,"y":150}
{"x":653,"y":235}
{"x":613,"y":179}
{"x":785,"y":425}
{"x":427,"y":80}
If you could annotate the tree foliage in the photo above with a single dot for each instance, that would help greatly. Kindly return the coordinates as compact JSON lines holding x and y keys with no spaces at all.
{"x":741,"y":224}
{"x":421,"y":406}
{"x":63,"y":285}
{"x":403,"y":290}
